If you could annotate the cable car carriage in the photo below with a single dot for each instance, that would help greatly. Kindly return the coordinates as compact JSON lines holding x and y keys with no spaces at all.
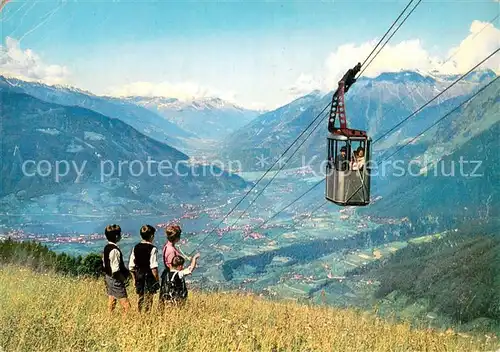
{"x":347,"y":169}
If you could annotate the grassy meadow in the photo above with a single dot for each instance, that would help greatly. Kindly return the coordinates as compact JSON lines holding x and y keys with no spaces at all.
{"x":50,"y":312}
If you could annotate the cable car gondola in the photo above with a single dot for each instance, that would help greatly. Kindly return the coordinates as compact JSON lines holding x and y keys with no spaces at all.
{"x":347,"y":169}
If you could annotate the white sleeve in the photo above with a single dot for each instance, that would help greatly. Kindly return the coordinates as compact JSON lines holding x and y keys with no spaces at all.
{"x":153,"y":260}
{"x":131,"y":262}
{"x":114,"y":260}
{"x":184,"y":272}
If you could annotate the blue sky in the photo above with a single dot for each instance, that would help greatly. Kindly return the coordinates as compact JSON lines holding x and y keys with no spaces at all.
{"x":249,"y":51}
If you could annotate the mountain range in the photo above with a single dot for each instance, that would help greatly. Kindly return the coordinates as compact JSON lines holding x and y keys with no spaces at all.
{"x":457,"y":172}
{"x":211,"y":118}
{"x":180,"y":124}
{"x":62,"y":123}
{"x":372,"y":104}
{"x":469,"y":134}
{"x":53,"y":125}
{"x":140,"y":118}
{"x":88,"y":147}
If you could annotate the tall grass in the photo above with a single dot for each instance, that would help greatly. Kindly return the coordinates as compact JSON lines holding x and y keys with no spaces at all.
{"x":47,"y":312}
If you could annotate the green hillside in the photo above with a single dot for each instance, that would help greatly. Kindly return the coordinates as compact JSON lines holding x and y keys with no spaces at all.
{"x":50,"y":313}
{"x":456,"y":275}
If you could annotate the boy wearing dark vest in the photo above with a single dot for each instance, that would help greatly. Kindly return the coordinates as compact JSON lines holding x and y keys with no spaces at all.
{"x":144,"y":265}
{"x":116,"y":273}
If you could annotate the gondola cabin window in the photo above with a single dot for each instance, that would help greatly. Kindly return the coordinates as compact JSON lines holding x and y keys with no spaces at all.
{"x":347,"y":173}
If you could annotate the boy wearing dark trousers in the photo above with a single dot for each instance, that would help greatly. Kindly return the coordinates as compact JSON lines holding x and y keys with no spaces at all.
{"x":116,"y":273}
{"x":144,"y":266}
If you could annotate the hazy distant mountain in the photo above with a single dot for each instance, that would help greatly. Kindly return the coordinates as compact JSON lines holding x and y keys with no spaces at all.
{"x":373,"y":104}
{"x":206,"y":117}
{"x":471,"y":195}
{"x":144,"y":120}
{"x":459,"y":167}
{"x":43,"y":134}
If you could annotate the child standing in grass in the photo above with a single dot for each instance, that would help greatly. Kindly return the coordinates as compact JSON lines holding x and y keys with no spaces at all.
{"x":144,"y":265}
{"x":116,"y":273}
{"x":173,"y":288}
{"x":173,"y":233}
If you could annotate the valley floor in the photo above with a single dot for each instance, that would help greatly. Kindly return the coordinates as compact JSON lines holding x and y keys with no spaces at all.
{"x":46,"y":312}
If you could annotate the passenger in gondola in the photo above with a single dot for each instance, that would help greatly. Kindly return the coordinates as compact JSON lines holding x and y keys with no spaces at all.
{"x":353,"y":164}
{"x":359,"y":159}
{"x":341,"y":160}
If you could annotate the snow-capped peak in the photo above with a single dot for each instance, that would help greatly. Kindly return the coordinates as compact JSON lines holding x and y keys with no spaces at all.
{"x":63,"y":88}
{"x":207,"y":103}
{"x":476,"y":76}
{"x":66,"y":87}
{"x":405,"y":76}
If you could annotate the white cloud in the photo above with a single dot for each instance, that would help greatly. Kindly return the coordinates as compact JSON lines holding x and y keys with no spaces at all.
{"x":411,"y":54}
{"x":303,"y":85}
{"x":28,"y":66}
{"x":258,"y":106}
{"x":406,"y":55}
{"x":184,"y":91}
{"x":483,"y":39}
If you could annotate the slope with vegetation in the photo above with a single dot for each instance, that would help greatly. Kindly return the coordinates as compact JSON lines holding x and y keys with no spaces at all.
{"x":457,"y":275}
{"x":50,"y":312}
{"x":50,"y":306}
{"x":40,"y":258}
{"x":105,"y":166}
{"x":460,"y":187}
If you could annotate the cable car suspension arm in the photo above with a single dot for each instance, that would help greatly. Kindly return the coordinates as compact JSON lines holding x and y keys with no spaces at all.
{"x":338,"y":104}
